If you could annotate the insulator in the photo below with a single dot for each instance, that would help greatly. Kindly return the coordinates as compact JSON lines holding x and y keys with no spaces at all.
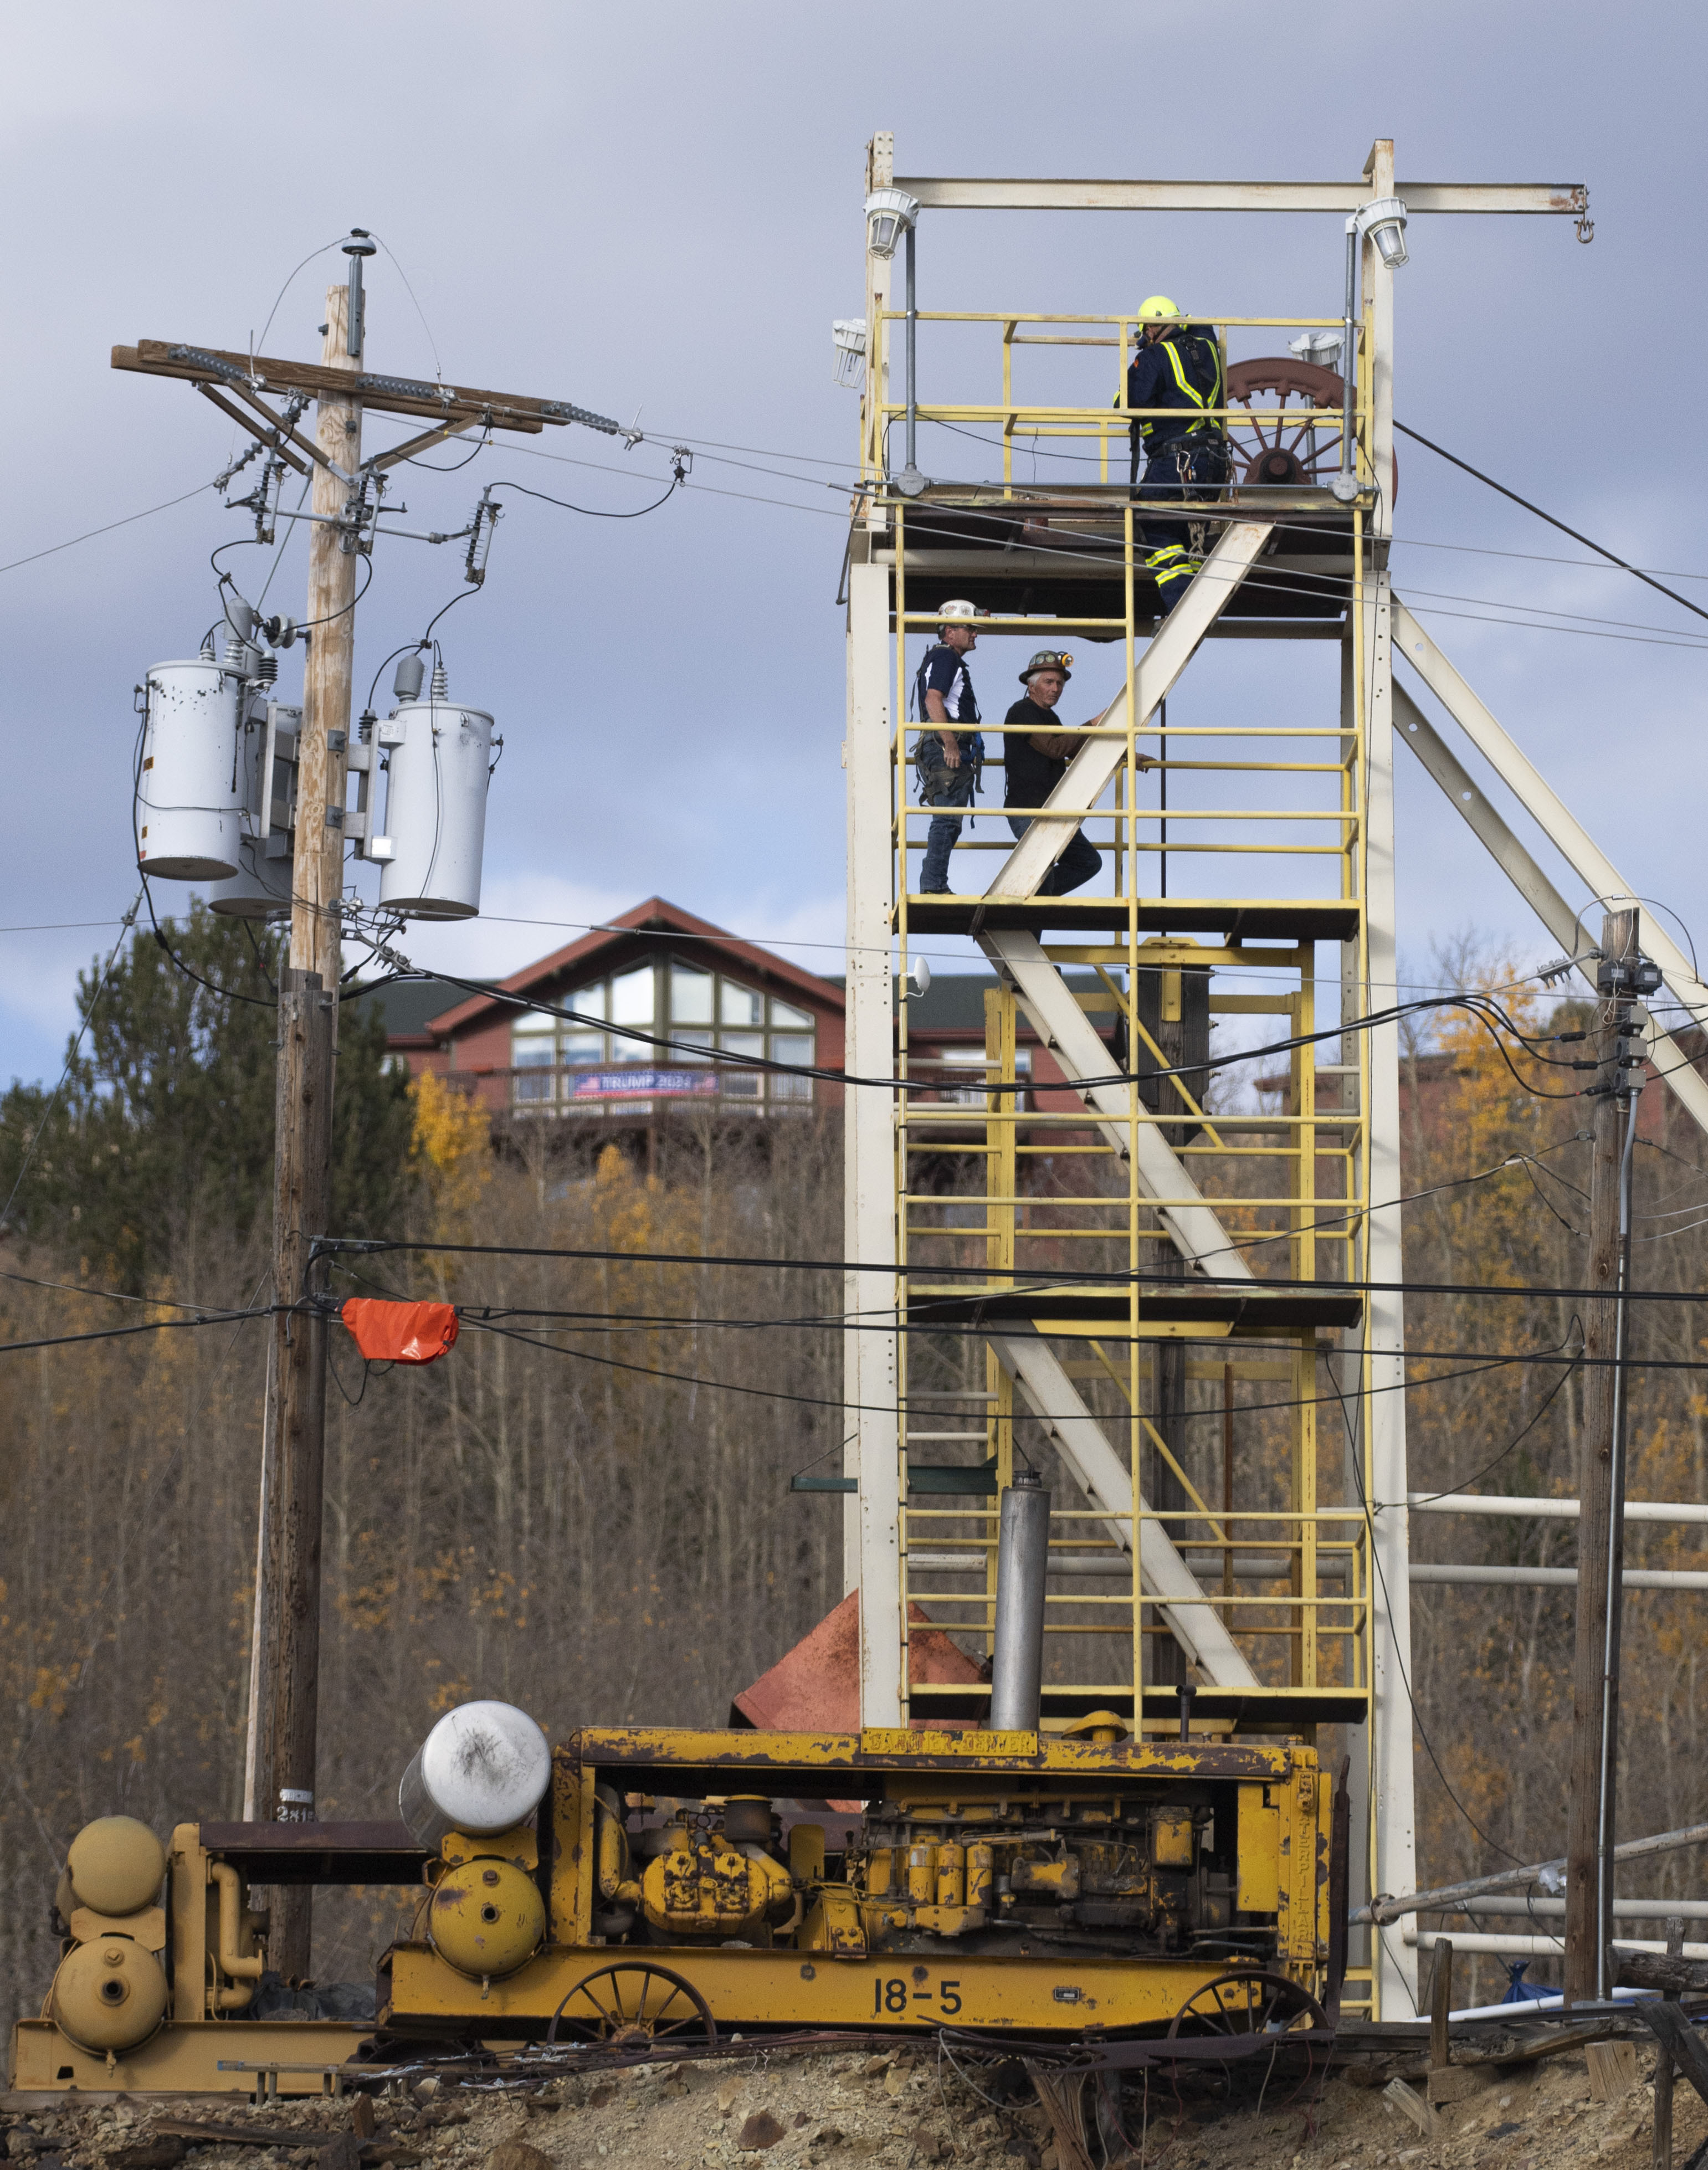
{"x":441,"y":690}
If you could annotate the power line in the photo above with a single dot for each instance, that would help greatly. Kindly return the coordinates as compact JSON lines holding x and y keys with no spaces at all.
{"x":1600,"y":549}
{"x":130,"y":519}
{"x":1036,"y":1282}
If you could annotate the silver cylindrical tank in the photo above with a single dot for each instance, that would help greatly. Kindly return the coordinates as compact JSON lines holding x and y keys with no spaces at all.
{"x":438,"y":757}
{"x":189,"y":795}
{"x":484,"y":1767}
{"x":261,"y":889}
{"x":1022,"y":1558}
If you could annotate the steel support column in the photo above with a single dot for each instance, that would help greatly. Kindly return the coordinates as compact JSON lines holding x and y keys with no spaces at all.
{"x":872,"y":1453}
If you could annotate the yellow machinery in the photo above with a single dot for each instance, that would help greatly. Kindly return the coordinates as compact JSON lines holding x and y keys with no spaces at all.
{"x":1023,"y":1883}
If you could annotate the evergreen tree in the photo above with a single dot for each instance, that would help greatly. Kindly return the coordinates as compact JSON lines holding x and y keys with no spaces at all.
{"x":163,"y":1127}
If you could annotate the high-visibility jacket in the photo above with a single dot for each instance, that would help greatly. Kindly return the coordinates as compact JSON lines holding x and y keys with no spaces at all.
{"x":1182,"y":371}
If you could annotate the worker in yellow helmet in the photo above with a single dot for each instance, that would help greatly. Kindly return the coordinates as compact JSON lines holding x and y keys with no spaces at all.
{"x":1176,"y":367}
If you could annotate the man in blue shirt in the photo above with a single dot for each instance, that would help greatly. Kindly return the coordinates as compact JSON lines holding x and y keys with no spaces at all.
{"x":948,"y":759}
{"x":1178,"y":367}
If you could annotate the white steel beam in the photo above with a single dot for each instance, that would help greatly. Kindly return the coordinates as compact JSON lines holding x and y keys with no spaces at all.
{"x":1672,"y":1063}
{"x":1551,"y":1578}
{"x":1394,"y":1836}
{"x":1571,"y":198}
{"x":872,"y":1455}
{"x":1555,"y":1509}
{"x":1514,"y":768}
{"x":1104,"y":1476}
{"x":1093,"y":768}
{"x":1065,"y":1030}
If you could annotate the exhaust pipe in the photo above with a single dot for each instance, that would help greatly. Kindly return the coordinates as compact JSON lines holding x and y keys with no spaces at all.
{"x":1022,"y":1555}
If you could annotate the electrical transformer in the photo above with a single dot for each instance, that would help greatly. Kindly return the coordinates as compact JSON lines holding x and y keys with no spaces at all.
{"x":260,"y":888}
{"x":189,"y":793}
{"x":438,"y":757}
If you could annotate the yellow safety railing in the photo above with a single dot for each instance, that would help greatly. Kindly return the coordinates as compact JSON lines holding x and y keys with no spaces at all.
{"x":1102,"y":424}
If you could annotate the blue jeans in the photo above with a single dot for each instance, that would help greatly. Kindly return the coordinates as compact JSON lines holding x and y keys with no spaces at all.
{"x":1073,"y":869}
{"x":940,"y":785}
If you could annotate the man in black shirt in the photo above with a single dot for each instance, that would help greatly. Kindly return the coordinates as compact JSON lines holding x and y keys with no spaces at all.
{"x":1034,"y":762}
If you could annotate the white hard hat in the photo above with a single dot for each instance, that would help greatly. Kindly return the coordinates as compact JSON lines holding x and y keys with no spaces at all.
{"x":960,"y":609}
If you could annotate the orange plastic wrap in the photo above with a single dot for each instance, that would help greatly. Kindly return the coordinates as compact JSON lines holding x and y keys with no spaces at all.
{"x":400,"y":1333}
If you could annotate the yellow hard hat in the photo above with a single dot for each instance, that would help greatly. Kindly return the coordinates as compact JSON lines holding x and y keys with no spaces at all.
{"x":1157,"y":305}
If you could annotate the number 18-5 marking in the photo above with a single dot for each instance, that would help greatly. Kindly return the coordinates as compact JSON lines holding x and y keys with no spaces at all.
{"x":892,"y":1998}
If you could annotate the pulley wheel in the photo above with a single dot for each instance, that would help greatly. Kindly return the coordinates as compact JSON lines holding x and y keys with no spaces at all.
{"x":1286,"y":450}
{"x":632,"y":2003}
{"x":1247,"y":2001}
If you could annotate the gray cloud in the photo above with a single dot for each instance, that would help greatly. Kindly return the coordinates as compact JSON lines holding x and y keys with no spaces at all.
{"x":660,"y":208}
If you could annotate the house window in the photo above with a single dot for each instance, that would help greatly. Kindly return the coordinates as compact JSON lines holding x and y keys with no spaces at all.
{"x":691,"y":996}
{"x":534,"y":1053}
{"x":699,"y":1013}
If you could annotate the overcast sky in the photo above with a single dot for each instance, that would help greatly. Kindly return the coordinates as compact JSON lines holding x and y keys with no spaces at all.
{"x":659,"y":210}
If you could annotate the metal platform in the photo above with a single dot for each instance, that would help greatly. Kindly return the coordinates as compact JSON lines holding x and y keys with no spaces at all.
{"x":1248,"y":1311}
{"x":1255,"y":919}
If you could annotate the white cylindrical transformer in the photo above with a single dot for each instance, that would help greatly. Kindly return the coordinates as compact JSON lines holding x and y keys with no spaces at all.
{"x":484,"y":1767}
{"x":189,"y":795}
{"x":261,"y":889}
{"x":438,"y":759}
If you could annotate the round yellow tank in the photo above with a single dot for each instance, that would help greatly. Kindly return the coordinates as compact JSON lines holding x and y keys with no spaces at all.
{"x":487,"y":1917}
{"x":108,"y":1994}
{"x":115,"y":1865}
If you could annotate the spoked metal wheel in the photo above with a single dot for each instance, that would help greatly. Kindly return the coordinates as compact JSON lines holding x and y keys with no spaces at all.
{"x":1284,"y":451}
{"x":1247,"y":2001}
{"x":630,"y":2004}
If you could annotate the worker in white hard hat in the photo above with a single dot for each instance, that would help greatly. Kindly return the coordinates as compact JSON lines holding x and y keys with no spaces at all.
{"x":948,"y":757}
{"x":1176,"y":367}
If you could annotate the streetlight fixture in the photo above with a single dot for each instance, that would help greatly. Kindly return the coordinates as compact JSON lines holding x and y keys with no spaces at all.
{"x":890,"y":213}
{"x":1384,"y":220}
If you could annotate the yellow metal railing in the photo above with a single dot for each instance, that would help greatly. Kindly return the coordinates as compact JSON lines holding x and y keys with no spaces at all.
{"x":1058,"y":419}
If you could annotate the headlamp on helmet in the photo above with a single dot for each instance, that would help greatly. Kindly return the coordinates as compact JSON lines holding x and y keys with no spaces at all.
{"x":1048,"y":658}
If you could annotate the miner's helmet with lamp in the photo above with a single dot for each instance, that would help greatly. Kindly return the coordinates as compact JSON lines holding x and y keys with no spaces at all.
{"x":1048,"y":658}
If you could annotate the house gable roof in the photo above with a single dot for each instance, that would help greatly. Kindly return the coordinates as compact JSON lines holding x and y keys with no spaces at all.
{"x":656,"y":917}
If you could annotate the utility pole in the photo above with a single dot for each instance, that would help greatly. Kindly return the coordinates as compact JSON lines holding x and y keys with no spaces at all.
{"x":1594,"y":1761}
{"x":295,"y":1449}
{"x":280,"y":1774}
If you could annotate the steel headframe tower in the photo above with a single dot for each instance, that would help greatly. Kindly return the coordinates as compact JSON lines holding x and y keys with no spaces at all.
{"x":1302,"y":557}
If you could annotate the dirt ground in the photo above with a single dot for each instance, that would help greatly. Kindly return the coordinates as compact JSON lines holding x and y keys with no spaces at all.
{"x":903,"y":2108}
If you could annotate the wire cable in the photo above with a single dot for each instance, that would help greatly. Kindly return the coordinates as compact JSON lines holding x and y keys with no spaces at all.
{"x":1600,"y":549}
{"x":1033,"y":1280}
{"x":130,"y":519}
{"x":591,"y":511}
